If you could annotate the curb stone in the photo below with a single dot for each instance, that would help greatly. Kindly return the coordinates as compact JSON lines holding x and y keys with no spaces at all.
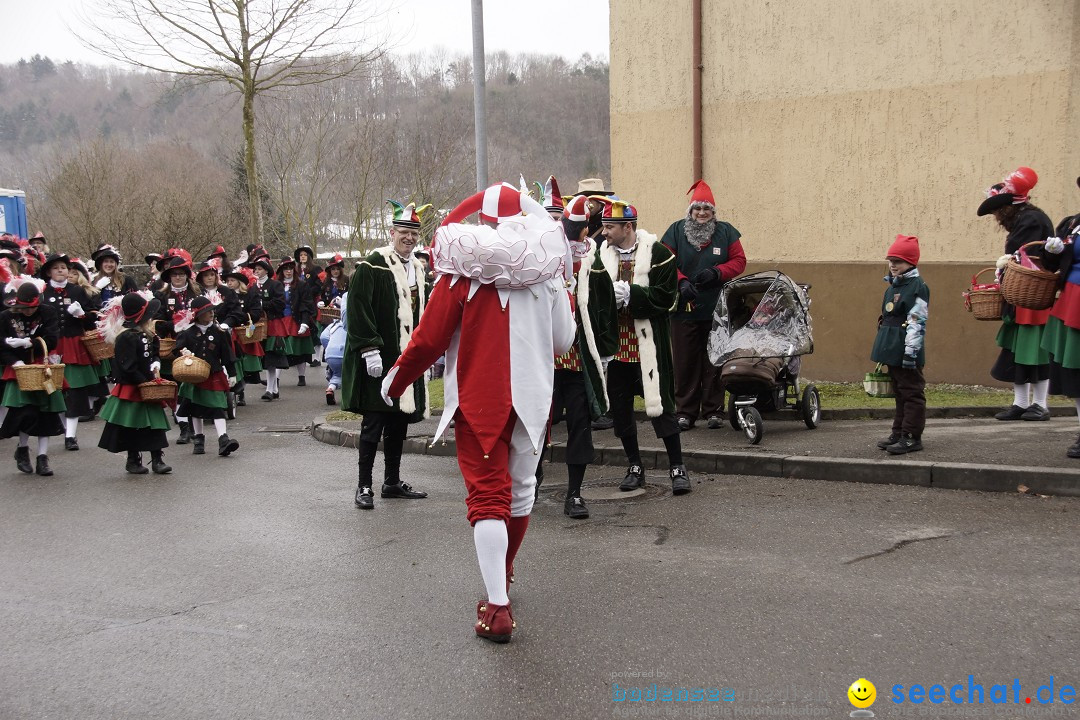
{"x":944,"y":475}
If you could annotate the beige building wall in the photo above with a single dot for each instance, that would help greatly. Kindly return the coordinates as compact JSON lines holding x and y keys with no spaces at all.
{"x":831,"y":125}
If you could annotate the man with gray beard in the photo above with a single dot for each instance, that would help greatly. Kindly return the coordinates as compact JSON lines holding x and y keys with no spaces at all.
{"x":708,"y":253}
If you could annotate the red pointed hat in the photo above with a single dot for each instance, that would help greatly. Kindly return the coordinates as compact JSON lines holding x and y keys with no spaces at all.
{"x":496,"y":203}
{"x":700,"y":192}
{"x":550,"y":197}
{"x":1013,"y":190}
{"x":906,"y":248}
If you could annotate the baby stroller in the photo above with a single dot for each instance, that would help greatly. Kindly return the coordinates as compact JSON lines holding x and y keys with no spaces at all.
{"x":761,"y":328}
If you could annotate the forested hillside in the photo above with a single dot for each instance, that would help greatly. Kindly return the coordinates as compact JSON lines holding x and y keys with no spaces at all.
{"x":144,"y":162}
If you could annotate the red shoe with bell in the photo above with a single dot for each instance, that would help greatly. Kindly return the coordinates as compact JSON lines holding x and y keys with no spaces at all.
{"x":494,"y":622}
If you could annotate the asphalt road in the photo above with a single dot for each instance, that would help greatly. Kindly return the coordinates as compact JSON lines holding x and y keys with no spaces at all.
{"x":250,"y":587}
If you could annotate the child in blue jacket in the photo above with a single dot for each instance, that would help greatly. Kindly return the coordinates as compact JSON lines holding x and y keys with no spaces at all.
{"x":333,"y":342}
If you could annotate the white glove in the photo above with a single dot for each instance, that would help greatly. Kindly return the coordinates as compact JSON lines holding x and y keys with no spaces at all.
{"x":320,"y":304}
{"x":155,"y":366}
{"x":604,"y":363}
{"x":102,"y":282}
{"x":75,"y":309}
{"x":232,"y":381}
{"x":374,"y":364}
{"x":1054,"y":245}
{"x":54,"y":359}
{"x":622,"y":293}
{"x":18,"y":342}
{"x":384,"y":389}
{"x":17,"y":363}
{"x":225,"y":327}
{"x":1003,"y":261}
{"x":303,"y":329}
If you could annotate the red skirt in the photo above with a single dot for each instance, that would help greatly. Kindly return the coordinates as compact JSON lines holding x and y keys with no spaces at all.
{"x":284,"y":327}
{"x":217,"y":381}
{"x":1067,"y":307}
{"x":72,"y":351}
{"x":255,"y":349}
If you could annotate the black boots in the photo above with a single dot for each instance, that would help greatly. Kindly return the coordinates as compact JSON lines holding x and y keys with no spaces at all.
{"x":301,"y":381}
{"x":199,"y":442}
{"x":185,"y":434}
{"x":134,"y":463}
{"x":22,"y":460}
{"x":907,"y":443}
{"x":240,"y":399}
{"x":157,"y":463}
{"x":226,"y":445}
{"x":71,"y":443}
{"x":365,"y":498}
{"x":43,"y":468}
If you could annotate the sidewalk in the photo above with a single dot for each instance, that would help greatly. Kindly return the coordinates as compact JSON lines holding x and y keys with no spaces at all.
{"x":970,"y":453}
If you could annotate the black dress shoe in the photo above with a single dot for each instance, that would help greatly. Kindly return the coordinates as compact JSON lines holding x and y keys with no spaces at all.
{"x":71,"y":443}
{"x":277,"y":395}
{"x":1015,"y":412}
{"x":365,"y":499}
{"x":302,"y":382}
{"x":267,"y":396}
{"x":891,"y":440}
{"x":22,"y":460}
{"x":43,"y":468}
{"x":635,"y":478}
{"x":330,"y":398}
{"x":315,"y":363}
{"x":684,"y":423}
{"x":575,"y":508}
{"x":401,"y":490}
{"x":1036,"y":412}
{"x":226,"y":445}
{"x":1074,"y":449}
{"x":680,"y":482}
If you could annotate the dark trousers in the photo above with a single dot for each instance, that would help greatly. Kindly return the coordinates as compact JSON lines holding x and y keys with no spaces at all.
{"x":391,"y":428}
{"x":623,"y":383}
{"x":698,"y":392}
{"x":910,"y":401}
{"x":570,"y":388}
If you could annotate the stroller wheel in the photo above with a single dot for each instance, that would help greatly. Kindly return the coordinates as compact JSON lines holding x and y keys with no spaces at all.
{"x":752,"y":425}
{"x":733,"y":414}
{"x":811,"y":407}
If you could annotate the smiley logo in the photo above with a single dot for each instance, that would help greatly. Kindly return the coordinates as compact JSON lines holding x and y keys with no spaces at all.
{"x":862,"y":693}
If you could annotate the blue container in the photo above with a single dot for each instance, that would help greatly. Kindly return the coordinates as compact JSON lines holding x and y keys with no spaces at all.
{"x":13,"y":213}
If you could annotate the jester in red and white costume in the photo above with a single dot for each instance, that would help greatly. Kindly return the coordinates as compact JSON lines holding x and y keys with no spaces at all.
{"x":501,"y":313}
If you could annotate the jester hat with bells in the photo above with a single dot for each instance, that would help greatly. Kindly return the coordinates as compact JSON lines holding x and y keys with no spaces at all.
{"x":518,"y":245}
{"x":407,"y":216}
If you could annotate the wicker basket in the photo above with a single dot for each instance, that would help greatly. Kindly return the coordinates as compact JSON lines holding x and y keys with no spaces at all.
{"x":158,"y":390}
{"x":190,"y":369}
{"x":983,"y":300}
{"x":1027,"y":288}
{"x":328,"y":314}
{"x":165,"y":347}
{"x":37,"y":378}
{"x":879,"y":384}
{"x":258,"y":332}
{"x":96,"y":346}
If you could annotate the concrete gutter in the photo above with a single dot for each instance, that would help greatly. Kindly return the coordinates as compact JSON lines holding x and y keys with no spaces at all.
{"x":953,"y":476}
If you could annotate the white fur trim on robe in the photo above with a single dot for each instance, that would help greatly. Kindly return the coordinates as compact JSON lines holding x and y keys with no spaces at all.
{"x":647,"y":357}
{"x":407,"y":401}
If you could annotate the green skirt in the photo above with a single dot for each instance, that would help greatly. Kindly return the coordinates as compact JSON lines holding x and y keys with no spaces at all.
{"x":249,"y":364}
{"x":80,"y":376}
{"x":299,"y":345}
{"x":43,"y":401}
{"x":1025,"y":342}
{"x":136,"y":415}
{"x":104,"y":368}
{"x":207,"y":398}
{"x":1062,"y":342}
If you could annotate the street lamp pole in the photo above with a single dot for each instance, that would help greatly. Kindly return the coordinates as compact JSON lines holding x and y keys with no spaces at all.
{"x":478,"y":94}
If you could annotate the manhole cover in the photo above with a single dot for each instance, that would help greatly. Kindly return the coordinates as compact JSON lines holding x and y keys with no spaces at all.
{"x":283,"y":429}
{"x":608,"y":491}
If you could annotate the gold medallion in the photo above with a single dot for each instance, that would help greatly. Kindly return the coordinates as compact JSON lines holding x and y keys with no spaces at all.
{"x":889,"y":307}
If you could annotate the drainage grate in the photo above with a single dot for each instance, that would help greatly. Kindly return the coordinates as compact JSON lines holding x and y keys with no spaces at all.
{"x":283,"y":429}
{"x":608,"y":491}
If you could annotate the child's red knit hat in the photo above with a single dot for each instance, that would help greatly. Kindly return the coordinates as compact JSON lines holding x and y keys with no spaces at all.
{"x":905,"y":248}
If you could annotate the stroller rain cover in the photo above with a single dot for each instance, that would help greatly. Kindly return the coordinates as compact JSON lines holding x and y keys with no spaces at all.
{"x":778,"y":325}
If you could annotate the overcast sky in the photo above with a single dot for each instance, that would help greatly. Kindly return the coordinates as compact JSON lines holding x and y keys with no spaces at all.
{"x":562,"y":27}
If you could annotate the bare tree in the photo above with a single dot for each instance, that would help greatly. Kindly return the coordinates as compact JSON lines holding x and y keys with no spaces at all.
{"x":254,"y":46}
